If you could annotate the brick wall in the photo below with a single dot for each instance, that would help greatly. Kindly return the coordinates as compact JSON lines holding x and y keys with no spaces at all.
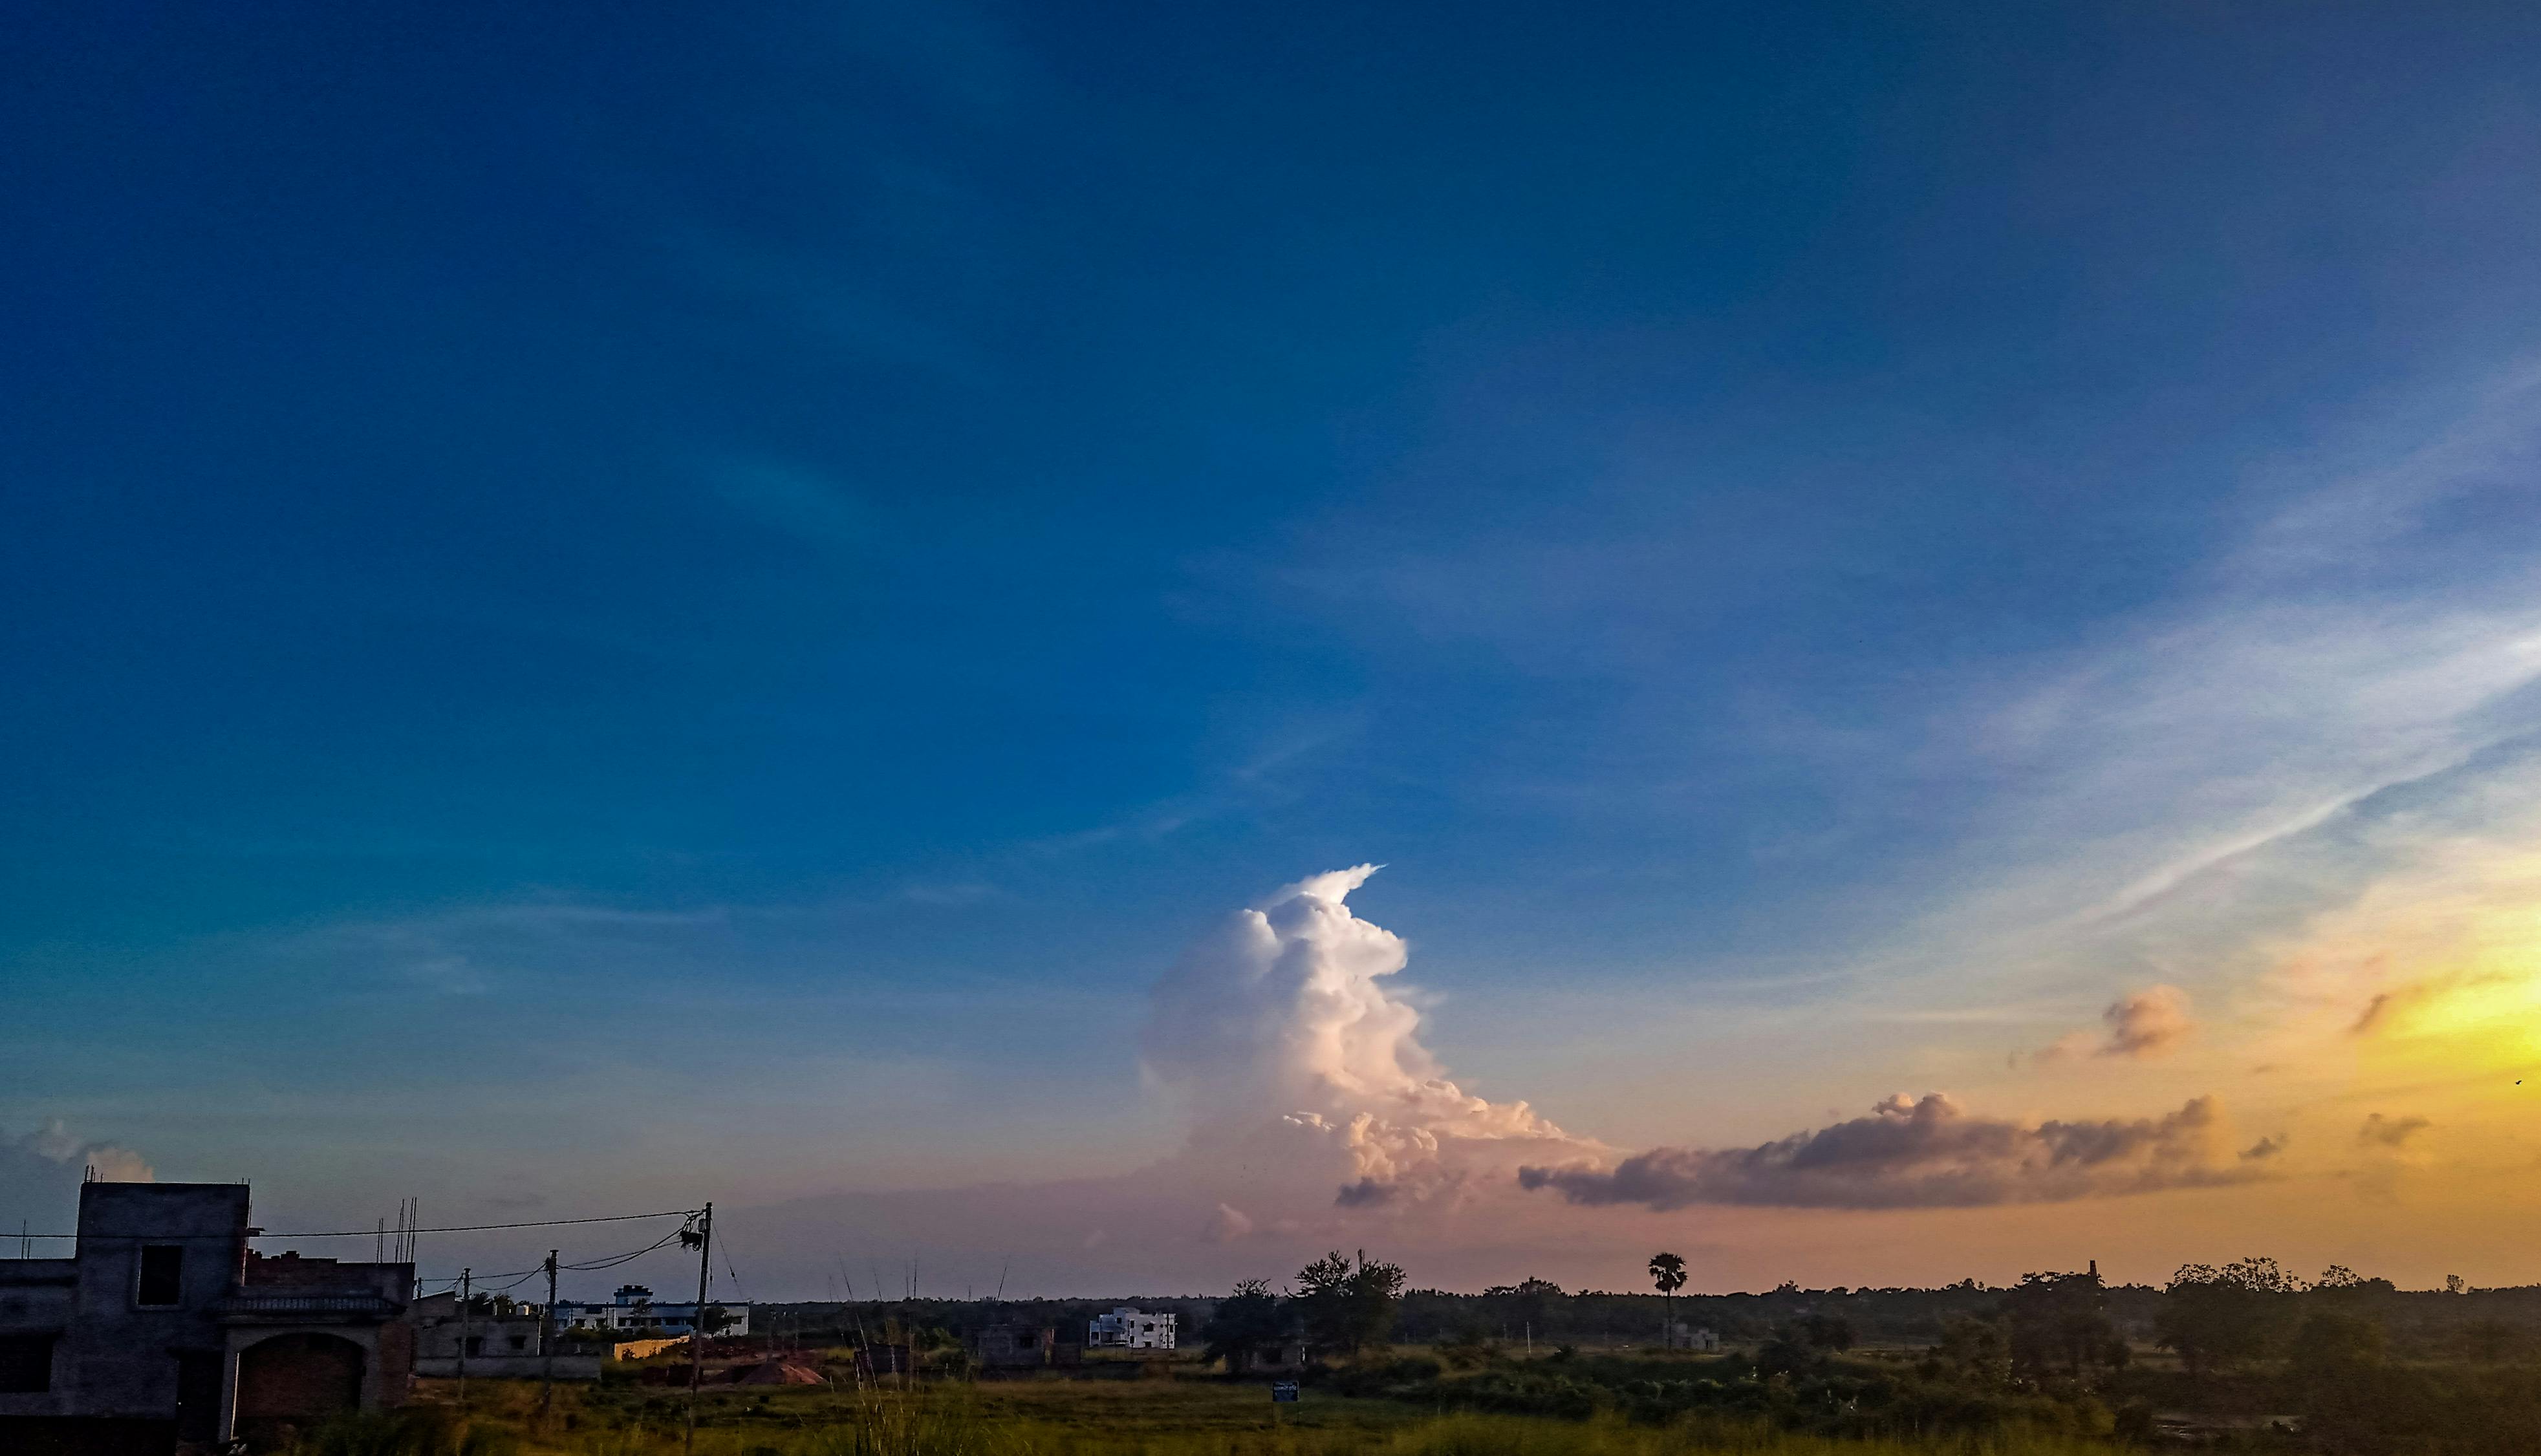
{"x":297,"y":1378}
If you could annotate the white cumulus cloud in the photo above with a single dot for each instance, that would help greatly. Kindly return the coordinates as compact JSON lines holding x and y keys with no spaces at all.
{"x":1281,"y":1035}
{"x":40,"y":1172}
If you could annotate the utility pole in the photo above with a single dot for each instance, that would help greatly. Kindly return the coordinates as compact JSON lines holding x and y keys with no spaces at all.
{"x":546,"y":1343}
{"x":462,"y":1337}
{"x":697,"y":1325}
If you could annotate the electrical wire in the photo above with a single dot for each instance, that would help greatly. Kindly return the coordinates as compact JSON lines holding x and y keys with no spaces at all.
{"x":484,"y":1227}
{"x":605,"y":1261}
{"x":372,"y":1233}
{"x":614,"y":1260}
{"x":484,"y":1284}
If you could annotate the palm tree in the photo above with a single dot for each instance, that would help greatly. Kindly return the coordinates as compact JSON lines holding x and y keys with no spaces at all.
{"x":1667,"y":1270}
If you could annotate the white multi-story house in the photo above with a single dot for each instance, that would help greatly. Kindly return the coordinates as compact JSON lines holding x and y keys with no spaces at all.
{"x":1129,"y":1329}
{"x":634,"y":1308}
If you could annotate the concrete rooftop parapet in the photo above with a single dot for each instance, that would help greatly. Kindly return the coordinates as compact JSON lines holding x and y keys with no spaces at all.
{"x":299,"y":1307}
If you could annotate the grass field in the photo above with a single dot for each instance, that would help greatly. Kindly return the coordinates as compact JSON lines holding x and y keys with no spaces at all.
{"x":1134,"y":1418}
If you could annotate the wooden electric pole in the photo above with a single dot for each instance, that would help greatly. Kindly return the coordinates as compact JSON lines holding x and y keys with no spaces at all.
{"x":697,"y":1325}
{"x":546,"y":1343}
{"x":462,"y":1337}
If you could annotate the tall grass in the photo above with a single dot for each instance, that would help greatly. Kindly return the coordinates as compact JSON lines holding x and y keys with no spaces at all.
{"x":937,"y":1426}
{"x":423,"y":1431}
{"x":1511,"y":1435}
{"x":1465,"y":1435}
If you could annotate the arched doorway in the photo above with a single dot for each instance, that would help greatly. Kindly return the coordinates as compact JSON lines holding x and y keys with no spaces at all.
{"x":290,"y":1383}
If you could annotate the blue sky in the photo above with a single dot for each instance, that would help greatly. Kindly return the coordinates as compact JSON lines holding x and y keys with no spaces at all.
{"x":784,"y":564}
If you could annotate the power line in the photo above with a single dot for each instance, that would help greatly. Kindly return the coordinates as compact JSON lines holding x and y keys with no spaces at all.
{"x":485,"y":1283}
{"x":614,"y":1260}
{"x":372,"y":1233}
{"x":738,"y":1287}
{"x":484,"y":1227}
{"x":605,"y":1261}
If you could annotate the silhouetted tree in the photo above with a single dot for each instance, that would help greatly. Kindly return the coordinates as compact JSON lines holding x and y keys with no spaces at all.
{"x":1801,"y":1346}
{"x":1524,"y":1303}
{"x":1376,"y":1294}
{"x":2216,"y":1318}
{"x":2340,"y":1285}
{"x":2059,"y":1323}
{"x":2334,"y":1344}
{"x":1974,"y":1351}
{"x":1346,"y":1306}
{"x":1831,"y":1332}
{"x":1243,"y":1322}
{"x":1667,"y":1272}
{"x":2336,"y":1361}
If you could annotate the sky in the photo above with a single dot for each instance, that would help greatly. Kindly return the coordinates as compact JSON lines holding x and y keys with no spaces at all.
{"x":1929,"y":612}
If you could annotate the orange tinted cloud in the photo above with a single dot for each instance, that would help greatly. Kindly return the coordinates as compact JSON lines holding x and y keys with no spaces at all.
{"x":2381,"y":1132}
{"x":1922,"y":1153}
{"x":2149,"y":1023}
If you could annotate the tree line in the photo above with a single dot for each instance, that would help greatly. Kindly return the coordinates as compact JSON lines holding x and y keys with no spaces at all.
{"x":2055,"y":1352}
{"x":1339,"y":1306}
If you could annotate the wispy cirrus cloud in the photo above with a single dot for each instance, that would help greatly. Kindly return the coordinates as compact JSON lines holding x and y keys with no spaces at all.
{"x":2188,"y":787}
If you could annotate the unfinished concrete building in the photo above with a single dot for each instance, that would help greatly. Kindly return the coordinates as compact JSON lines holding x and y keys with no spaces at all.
{"x":496,"y":1341}
{"x":164,"y":1331}
{"x":1010,"y":1346}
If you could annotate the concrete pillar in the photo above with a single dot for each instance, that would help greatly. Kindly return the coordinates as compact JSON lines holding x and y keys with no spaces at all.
{"x":227,"y":1430}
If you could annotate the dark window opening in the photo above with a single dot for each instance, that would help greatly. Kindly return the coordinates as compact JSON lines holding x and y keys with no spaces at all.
{"x":163,"y":1274}
{"x":520,"y":1342}
{"x":475,"y":1344}
{"x":25,"y":1363}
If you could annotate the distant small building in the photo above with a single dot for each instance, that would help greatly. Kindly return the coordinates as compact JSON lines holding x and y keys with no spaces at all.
{"x":633,"y":1309}
{"x":1021,"y":1346}
{"x":1285,"y":1356}
{"x":1013,"y":1347}
{"x":1682,"y":1336}
{"x":1126,"y":1328}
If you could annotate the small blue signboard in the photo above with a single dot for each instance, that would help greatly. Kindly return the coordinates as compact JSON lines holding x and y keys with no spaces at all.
{"x":1283,"y":1391}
